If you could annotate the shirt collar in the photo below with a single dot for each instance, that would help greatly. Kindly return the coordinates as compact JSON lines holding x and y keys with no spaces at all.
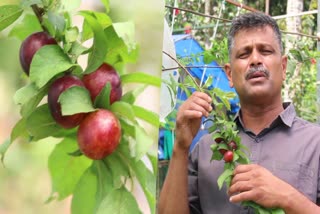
{"x":287,"y":115}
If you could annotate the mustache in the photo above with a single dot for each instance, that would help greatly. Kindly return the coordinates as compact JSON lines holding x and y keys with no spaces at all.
{"x":254,"y":69}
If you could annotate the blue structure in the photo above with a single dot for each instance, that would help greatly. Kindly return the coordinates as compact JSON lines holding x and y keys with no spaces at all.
{"x":188,"y":48}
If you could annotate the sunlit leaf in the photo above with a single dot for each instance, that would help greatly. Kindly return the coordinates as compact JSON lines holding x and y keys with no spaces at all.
{"x":48,"y":61}
{"x":146,"y":115}
{"x":140,"y":77}
{"x":97,"y":55}
{"x":226,"y":174}
{"x":8,"y":15}
{"x":66,"y":170}
{"x":103,"y":98}
{"x":75,"y":100}
{"x":119,"y":201}
{"x":40,"y":123}
{"x":123,"y":110}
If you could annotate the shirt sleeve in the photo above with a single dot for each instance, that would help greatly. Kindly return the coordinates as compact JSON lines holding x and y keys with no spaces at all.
{"x":193,"y":196}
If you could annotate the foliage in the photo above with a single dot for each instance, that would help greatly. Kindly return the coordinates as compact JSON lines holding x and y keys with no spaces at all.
{"x":96,"y":185}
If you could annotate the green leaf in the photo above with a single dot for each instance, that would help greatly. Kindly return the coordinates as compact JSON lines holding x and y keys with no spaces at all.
{"x":154,"y":162}
{"x":216,"y":155}
{"x":127,"y":128}
{"x":242,"y":157}
{"x":69,"y":6}
{"x":131,"y":96}
{"x":214,"y":147}
{"x":104,"y":181}
{"x":140,"y":77}
{"x":66,"y":170}
{"x":146,"y":115}
{"x":103,"y":19}
{"x":28,"y":25}
{"x":119,"y":201}
{"x":143,"y":142}
{"x":118,"y":168}
{"x":76,"y":50}
{"x":126,"y":31}
{"x":8,"y":15}
{"x":57,"y":21}
{"x":103,"y":98}
{"x":72,"y":34}
{"x":225,"y":175}
{"x":75,"y":100}
{"x":277,"y":211}
{"x":19,"y":130}
{"x":40,"y":123}
{"x":3,"y":149}
{"x":25,"y":93}
{"x":146,"y":178}
{"x":48,"y":61}
{"x":85,"y":193}
{"x":117,"y":50}
{"x":98,"y":54}
{"x":106,"y":5}
{"x":123,"y":110}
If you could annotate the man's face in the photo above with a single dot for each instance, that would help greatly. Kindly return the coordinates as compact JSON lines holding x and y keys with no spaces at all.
{"x":256,"y":68}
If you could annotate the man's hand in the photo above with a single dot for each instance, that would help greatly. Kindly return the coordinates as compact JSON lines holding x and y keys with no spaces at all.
{"x":189,"y":118}
{"x":255,"y":183}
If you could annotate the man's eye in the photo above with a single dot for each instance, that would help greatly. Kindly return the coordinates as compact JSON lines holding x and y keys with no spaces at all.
{"x":266,"y":51}
{"x":243,"y":55}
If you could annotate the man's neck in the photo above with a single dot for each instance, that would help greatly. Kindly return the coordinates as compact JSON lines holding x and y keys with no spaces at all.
{"x":258,"y":117}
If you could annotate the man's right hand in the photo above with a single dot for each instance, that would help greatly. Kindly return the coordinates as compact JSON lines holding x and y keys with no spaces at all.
{"x":189,"y":118}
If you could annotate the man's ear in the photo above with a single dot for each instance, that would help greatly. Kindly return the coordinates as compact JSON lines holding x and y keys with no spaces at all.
{"x":227,"y":70}
{"x":284,"y":63}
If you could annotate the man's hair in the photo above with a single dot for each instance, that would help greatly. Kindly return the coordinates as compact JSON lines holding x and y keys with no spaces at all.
{"x":249,"y":21}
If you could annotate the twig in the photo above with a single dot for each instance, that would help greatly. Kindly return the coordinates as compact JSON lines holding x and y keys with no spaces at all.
{"x":197,"y":13}
{"x":300,"y":34}
{"x":194,"y":66}
{"x":39,"y":13}
{"x":194,"y":81}
{"x":242,"y":6}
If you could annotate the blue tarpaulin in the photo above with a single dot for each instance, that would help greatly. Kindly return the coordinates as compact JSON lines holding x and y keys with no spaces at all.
{"x":188,"y":49}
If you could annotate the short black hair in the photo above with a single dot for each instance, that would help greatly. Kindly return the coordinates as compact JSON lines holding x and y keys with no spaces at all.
{"x":252,"y":20}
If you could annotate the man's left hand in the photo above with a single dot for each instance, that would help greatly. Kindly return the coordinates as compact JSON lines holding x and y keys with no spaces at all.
{"x":255,"y":183}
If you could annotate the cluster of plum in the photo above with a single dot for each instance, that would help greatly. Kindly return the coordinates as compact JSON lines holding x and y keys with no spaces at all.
{"x":228,"y":150}
{"x":99,"y":132}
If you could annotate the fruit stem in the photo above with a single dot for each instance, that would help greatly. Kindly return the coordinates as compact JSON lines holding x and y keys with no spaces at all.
{"x":39,"y":13}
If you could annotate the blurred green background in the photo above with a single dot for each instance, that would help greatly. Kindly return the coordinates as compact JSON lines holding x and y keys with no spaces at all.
{"x":24,"y":179}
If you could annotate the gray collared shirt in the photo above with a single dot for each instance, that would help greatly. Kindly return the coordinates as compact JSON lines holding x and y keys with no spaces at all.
{"x":289,"y":148}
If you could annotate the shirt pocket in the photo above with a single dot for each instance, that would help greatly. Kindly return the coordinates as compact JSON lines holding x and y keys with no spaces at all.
{"x":300,"y":176}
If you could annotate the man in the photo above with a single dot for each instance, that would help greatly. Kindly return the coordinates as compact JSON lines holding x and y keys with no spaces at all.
{"x":284,"y":149}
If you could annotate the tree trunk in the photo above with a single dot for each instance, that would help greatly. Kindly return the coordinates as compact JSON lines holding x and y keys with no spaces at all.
{"x":293,"y":25}
{"x":207,"y":10}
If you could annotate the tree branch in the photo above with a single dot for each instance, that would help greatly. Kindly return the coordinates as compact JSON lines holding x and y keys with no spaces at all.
{"x":39,"y":12}
{"x":194,"y":81}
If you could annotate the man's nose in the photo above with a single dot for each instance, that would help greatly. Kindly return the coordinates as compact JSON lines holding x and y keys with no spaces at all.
{"x":255,"y":58}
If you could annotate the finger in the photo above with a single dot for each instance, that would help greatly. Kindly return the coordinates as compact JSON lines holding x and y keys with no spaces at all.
{"x":243,"y":196}
{"x":240,"y":177}
{"x":200,"y":101}
{"x":203,"y":95}
{"x":241,"y":186}
{"x":243,"y":168}
{"x":194,"y":114}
